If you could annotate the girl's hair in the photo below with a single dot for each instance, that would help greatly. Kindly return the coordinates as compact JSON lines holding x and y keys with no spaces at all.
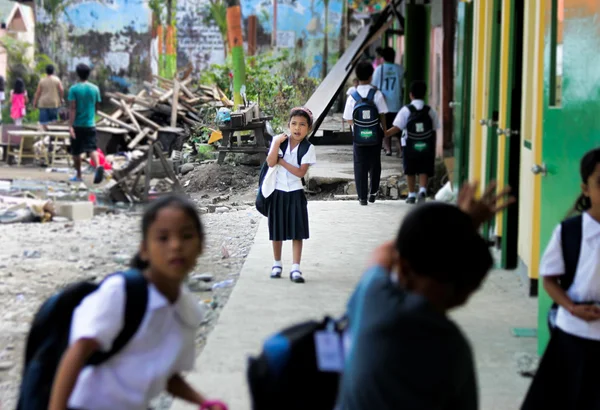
{"x":151,"y":214}
{"x":302,"y":112}
{"x":586,"y":169}
{"x":19,"y":86}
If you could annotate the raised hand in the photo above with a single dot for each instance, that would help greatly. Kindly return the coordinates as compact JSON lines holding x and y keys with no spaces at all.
{"x":485,"y":208}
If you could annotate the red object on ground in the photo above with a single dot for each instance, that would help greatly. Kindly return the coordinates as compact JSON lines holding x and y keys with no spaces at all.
{"x":102,"y":160}
{"x":92,"y":197}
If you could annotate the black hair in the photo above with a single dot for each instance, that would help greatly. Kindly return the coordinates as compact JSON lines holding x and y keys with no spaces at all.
{"x":49,"y":69}
{"x":301,"y":113}
{"x":364,"y":70}
{"x":586,"y":168}
{"x":152,"y":212}
{"x":83,"y":71}
{"x":19,"y":87}
{"x":379,"y":51}
{"x":440,"y":241}
{"x":389,"y":55}
{"x":418,"y":89}
{"x":2,"y":82}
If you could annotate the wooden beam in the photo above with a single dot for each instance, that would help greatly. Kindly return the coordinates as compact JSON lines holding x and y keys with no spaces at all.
{"x":139,"y":138}
{"x":175,"y":104}
{"x":118,"y":122}
{"x":130,"y":115}
{"x":146,"y":120}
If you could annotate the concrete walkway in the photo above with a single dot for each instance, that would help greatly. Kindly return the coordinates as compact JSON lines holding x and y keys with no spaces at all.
{"x":342,"y":237}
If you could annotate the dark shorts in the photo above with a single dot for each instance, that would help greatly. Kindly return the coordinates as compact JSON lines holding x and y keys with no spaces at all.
{"x":417,"y":164}
{"x":48,"y":115}
{"x":84,"y":141}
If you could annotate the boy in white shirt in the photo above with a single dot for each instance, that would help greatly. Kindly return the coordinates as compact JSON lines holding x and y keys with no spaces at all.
{"x":367,"y":158}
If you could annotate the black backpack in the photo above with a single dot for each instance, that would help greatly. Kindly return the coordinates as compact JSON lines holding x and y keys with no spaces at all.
{"x":571,"y":233}
{"x":286,"y":374}
{"x":419,"y":131}
{"x":365,"y":118}
{"x":262,"y":204}
{"x":49,"y":336}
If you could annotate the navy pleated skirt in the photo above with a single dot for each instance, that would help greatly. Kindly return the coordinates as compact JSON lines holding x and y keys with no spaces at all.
{"x":288,"y":216}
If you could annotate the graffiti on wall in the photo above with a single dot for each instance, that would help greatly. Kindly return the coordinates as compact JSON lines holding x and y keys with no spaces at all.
{"x":112,"y":36}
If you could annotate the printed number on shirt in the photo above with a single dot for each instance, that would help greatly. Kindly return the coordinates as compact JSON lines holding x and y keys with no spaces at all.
{"x":366,"y":114}
{"x":389,"y":84}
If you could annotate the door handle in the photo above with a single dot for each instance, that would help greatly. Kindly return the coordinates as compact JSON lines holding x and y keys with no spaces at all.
{"x":488,"y":123}
{"x":507,"y":132}
{"x":453,"y":104}
{"x":539,"y":169}
{"x":500,"y":131}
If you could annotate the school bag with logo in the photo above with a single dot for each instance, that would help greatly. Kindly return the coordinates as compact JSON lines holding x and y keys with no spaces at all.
{"x":49,"y":335}
{"x":419,"y":131}
{"x":571,"y":232}
{"x":365,"y":118}
{"x":262,"y":203}
{"x":288,"y":373}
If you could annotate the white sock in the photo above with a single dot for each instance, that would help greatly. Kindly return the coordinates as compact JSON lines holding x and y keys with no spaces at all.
{"x":412,"y":194}
{"x":278,"y":264}
{"x":422,"y":190}
{"x":295,"y":267}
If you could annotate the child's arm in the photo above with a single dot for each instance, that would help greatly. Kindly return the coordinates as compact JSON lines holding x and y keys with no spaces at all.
{"x":299,"y":172}
{"x":68,"y":371}
{"x":37,"y":96}
{"x":181,"y":389}
{"x":273,"y":156}
{"x":392,"y":131}
{"x":589,"y":313}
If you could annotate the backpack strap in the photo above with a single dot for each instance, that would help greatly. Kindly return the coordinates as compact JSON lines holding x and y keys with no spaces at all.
{"x":411,"y":108}
{"x":571,"y":233}
{"x":371,"y":96}
{"x":283,"y":146}
{"x":136,"y":302}
{"x":303,"y":148}
{"x":356,"y":95}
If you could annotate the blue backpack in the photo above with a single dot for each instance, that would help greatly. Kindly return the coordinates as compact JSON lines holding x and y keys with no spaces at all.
{"x":367,"y":128}
{"x":571,"y":233}
{"x":49,"y":336}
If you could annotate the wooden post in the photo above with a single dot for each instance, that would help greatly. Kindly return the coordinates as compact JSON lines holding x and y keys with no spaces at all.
{"x":175,"y":104}
{"x":274,"y":31}
{"x":449,"y":27}
{"x":252,"y":22}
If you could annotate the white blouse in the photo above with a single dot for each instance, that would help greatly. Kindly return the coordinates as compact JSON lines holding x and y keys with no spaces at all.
{"x":586,"y":284}
{"x":163,"y":346}
{"x":285,"y":180}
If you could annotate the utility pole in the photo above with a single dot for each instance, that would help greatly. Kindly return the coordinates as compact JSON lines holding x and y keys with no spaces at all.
{"x":274,"y":31}
{"x":236,"y":44}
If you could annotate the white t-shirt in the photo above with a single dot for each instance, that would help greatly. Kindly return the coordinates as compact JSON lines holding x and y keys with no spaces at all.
{"x":404,"y":113}
{"x":363,"y":90}
{"x":285,"y":180}
{"x":163,"y":346}
{"x":586,"y":284}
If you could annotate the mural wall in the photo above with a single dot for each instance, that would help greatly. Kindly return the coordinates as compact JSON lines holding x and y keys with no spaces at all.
{"x":112,"y":36}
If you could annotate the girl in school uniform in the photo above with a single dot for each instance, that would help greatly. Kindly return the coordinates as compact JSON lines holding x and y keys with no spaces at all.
{"x":567,"y":377}
{"x":18,"y":101}
{"x":288,"y":213}
{"x":163,"y":347}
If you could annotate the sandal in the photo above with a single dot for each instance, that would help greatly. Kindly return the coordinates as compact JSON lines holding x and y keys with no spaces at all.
{"x":276,"y":272}
{"x":296,"y":276}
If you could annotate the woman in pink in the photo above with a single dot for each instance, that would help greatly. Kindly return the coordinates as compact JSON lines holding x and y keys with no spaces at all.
{"x":18,"y":101}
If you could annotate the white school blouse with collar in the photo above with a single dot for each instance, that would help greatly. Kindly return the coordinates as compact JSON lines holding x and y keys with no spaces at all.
{"x":163,"y":346}
{"x":586,"y":285}
{"x":285,"y":180}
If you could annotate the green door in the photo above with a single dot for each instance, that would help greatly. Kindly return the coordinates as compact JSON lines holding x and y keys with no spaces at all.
{"x":571,"y":123}
{"x":491,"y":122}
{"x":461,"y":106}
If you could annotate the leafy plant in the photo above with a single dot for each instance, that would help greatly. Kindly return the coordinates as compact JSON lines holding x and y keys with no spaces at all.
{"x":216,"y":12}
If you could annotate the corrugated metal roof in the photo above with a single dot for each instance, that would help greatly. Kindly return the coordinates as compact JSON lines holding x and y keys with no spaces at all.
{"x":5,"y":9}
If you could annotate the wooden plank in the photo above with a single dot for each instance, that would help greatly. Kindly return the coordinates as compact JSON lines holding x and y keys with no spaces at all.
{"x":138,"y":138}
{"x":26,"y":133}
{"x":175,"y":104}
{"x":146,"y":120}
{"x":130,"y":115}
{"x":187,"y":91}
{"x":118,"y":122}
{"x":167,"y":168}
{"x":130,"y":98}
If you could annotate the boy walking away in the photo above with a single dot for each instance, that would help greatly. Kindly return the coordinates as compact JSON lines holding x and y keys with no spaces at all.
{"x":83,"y":98}
{"x":48,"y":97}
{"x":419,"y":123}
{"x":365,"y":112}
{"x":404,"y":351}
{"x":388,"y":78}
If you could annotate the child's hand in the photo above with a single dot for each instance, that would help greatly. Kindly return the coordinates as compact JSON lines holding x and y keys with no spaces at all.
{"x":589,"y":313}
{"x":385,"y":255}
{"x":281,"y":138}
{"x":483,"y":209}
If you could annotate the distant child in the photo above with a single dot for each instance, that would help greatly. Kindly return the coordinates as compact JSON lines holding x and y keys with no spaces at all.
{"x":365,"y":112}
{"x":164,"y":345}
{"x":404,"y":351}
{"x":83,"y":99}
{"x":18,"y":101}
{"x":419,"y":123}
{"x":288,"y":208}
{"x":567,"y":375}
{"x":388,"y":78}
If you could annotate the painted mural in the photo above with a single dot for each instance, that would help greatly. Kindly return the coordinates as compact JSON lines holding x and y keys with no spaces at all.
{"x":112,"y":36}
{"x":300,"y":26}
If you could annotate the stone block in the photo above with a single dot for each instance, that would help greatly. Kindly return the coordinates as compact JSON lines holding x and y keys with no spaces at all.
{"x":75,"y":211}
{"x":351,"y":189}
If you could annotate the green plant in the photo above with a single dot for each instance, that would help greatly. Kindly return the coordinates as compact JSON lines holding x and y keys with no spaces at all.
{"x":272,"y":81}
{"x":216,"y":12}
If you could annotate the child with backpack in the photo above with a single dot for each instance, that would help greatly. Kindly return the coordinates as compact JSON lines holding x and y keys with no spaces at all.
{"x":287,"y":209}
{"x":419,"y":123}
{"x":365,"y":112}
{"x":402,"y":349}
{"x":129,"y":338}
{"x":570,"y":267}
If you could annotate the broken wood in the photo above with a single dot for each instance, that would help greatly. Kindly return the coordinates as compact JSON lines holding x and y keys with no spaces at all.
{"x":175,"y":104}
{"x":130,"y":115}
{"x":118,"y":122}
{"x":139,"y":138}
